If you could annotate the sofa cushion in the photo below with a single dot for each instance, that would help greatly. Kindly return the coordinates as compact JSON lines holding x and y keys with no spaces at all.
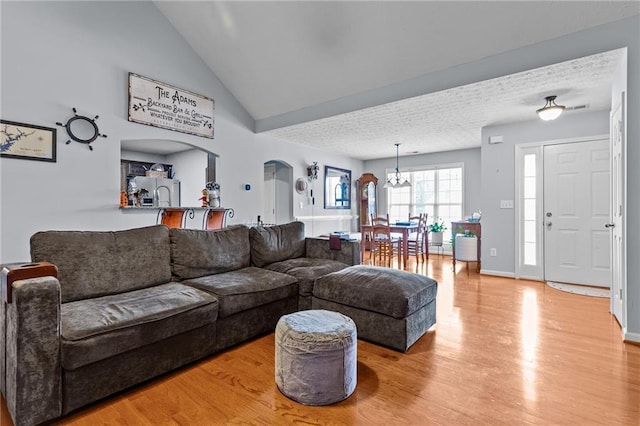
{"x":275,"y":243}
{"x":96,"y":263}
{"x":387,"y":291}
{"x":306,"y":271}
{"x":246,"y":288}
{"x":95,"y":329}
{"x":196,"y":253}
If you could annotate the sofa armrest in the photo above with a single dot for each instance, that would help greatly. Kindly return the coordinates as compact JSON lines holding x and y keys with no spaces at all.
{"x":318,"y":248}
{"x":30,"y":366}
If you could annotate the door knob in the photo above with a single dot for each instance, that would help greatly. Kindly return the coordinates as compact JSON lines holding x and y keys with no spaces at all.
{"x":610,"y":225}
{"x":549,"y":224}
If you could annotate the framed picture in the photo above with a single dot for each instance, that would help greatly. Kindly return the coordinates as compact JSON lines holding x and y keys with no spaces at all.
{"x":27,"y":141}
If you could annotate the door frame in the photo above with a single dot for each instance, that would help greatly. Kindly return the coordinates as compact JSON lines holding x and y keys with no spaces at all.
{"x":519,"y":151}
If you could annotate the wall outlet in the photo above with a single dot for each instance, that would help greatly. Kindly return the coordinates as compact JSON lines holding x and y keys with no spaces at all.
{"x":494,"y":252}
{"x":506,"y":204}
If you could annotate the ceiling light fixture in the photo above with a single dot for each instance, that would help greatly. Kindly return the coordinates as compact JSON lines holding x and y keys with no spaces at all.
{"x":550,"y":110}
{"x":398,"y":178}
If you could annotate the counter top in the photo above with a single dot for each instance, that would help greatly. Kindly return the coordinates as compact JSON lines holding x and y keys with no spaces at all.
{"x":173,"y":208}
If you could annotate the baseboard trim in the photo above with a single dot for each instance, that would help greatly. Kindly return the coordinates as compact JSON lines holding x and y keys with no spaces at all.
{"x":629,"y":337}
{"x":497,"y":273}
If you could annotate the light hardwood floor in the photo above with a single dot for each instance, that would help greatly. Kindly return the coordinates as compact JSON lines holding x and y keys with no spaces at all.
{"x":503,"y":352}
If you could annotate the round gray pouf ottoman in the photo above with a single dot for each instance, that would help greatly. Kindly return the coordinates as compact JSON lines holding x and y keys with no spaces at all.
{"x":316,"y":356}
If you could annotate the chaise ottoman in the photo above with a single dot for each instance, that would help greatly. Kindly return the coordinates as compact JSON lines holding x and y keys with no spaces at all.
{"x":390,"y":307}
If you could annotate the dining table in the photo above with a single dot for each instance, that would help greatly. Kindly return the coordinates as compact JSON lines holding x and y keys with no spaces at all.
{"x":404,"y":228}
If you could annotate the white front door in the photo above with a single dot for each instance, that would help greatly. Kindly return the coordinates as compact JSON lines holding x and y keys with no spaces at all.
{"x":616,"y":225}
{"x":577,"y":245}
{"x":269,"y":211}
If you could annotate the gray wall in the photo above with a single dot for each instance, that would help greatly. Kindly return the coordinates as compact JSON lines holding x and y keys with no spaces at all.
{"x":469,"y":157}
{"x":498,"y":177}
{"x":59,"y":55}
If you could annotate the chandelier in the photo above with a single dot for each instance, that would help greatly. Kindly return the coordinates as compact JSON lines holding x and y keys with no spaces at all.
{"x":400,"y":182}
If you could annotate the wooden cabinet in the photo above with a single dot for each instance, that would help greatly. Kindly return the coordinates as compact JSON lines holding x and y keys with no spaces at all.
{"x":473,"y":227}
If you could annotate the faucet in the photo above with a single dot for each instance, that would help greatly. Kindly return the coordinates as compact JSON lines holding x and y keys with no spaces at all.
{"x":156,"y":194}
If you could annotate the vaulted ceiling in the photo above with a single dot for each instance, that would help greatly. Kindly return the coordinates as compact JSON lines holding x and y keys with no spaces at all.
{"x":282,"y":59}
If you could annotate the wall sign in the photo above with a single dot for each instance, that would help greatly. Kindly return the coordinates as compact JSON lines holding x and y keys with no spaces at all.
{"x":162,"y":105}
{"x":27,"y":141}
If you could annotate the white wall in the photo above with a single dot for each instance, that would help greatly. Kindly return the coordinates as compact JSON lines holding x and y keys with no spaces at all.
{"x":470,"y":158}
{"x":59,"y":55}
{"x":498,"y":176}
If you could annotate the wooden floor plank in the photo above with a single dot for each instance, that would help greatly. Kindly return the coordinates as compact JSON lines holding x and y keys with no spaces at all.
{"x":503,"y":352}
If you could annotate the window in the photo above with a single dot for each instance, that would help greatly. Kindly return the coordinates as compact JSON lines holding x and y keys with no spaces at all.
{"x":529,"y":210}
{"x":436,"y":191}
{"x":529,"y":244}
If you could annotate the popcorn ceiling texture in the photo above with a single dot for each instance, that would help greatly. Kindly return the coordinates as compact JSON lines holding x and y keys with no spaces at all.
{"x":452,"y":119}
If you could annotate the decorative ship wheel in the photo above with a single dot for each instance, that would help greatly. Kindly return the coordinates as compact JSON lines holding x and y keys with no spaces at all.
{"x":82,"y":129}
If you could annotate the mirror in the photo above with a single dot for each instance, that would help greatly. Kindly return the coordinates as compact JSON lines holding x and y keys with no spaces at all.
{"x":367,"y":188}
{"x":337,"y":188}
{"x":186,"y":171}
{"x":82,"y":129}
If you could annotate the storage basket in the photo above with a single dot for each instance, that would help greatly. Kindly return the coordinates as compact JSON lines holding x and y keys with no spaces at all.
{"x":466,"y":248}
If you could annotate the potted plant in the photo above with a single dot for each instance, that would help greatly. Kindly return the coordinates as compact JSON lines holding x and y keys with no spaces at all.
{"x":436,"y":229}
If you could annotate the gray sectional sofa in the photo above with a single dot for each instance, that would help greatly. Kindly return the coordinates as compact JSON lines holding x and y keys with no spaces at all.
{"x":131,"y":305}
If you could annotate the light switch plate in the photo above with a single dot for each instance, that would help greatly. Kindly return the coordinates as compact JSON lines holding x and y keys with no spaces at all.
{"x":506,"y":204}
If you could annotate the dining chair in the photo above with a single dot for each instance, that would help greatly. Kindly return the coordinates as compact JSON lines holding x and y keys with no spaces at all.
{"x":384,"y":220}
{"x":380,"y":220}
{"x":366,"y":237}
{"x":382,"y":245}
{"x":417,"y":242}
